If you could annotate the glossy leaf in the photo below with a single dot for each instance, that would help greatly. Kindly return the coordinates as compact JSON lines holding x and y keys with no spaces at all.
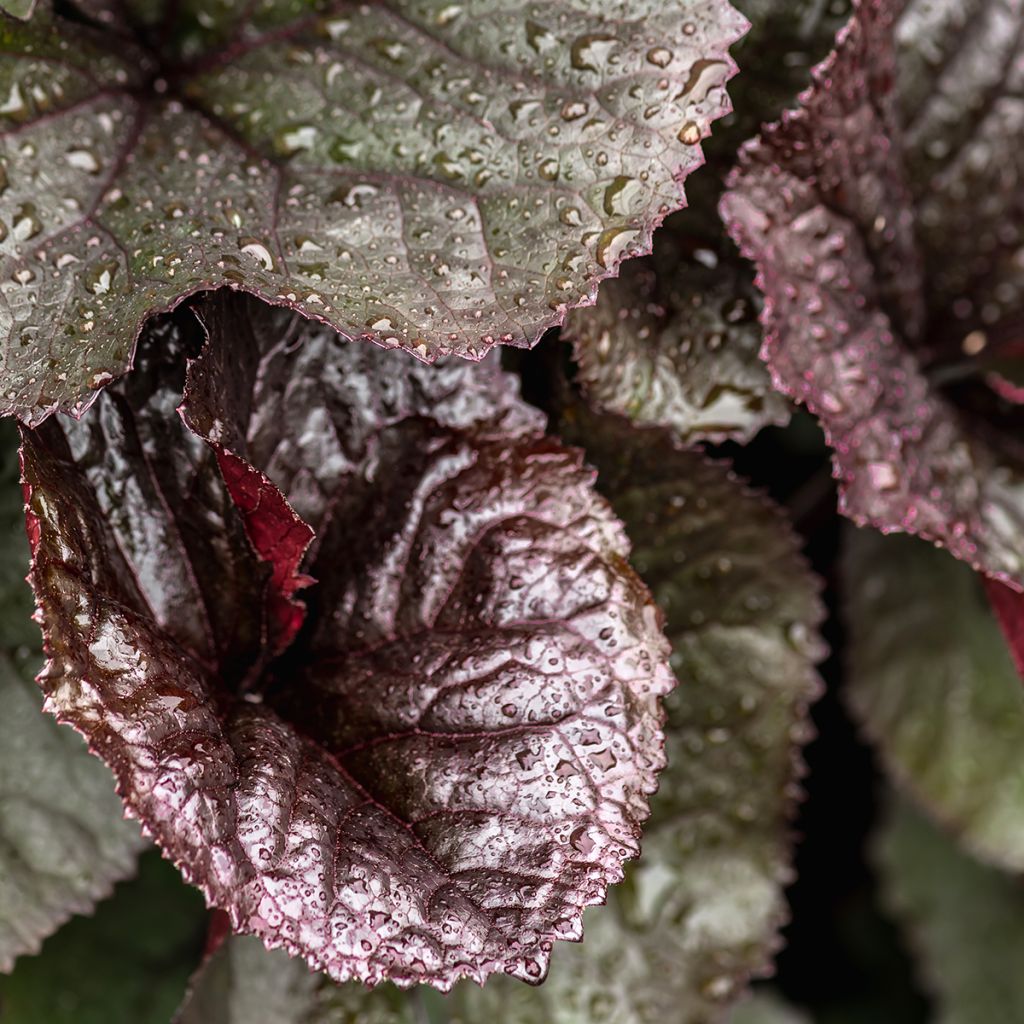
{"x":965,"y":920}
{"x":842,"y":217}
{"x":699,"y":913}
{"x":673,"y":342}
{"x":127,"y":963}
{"x":454,"y":757}
{"x":433,"y":176}
{"x":63,"y":840}
{"x":935,"y":688}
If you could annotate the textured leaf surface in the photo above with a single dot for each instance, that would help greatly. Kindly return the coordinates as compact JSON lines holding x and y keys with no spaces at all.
{"x":966,"y":920}
{"x":455,"y":757}
{"x":851,"y":230}
{"x":63,"y":840}
{"x":699,"y":912}
{"x":437,"y":176}
{"x":934,"y":686}
{"x":127,"y":963}
{"x":674,"y":341}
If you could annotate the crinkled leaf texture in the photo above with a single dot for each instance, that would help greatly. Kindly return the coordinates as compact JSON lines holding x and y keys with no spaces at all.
{"x":884,"y":215}
{"x":699,"y":913}
{"x":965,"y":920}
{"x":440,"y":177}
{"x":935,"y":688}
{"x":453,"y":757}
{"x":673,"y":342}
{"x":63,"y":838}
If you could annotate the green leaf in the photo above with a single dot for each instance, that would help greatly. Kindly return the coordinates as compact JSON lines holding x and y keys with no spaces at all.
{"x":933,"y":685}
{"x":965,"y":920}
{"x":21,"y":9}
{"x":440,"y":177}
{"x":674,"y":341}
{"x":699,"y":913}
{"x":63,"y":837}
{"x":765,"y":1008}
{"x":127,"y":964}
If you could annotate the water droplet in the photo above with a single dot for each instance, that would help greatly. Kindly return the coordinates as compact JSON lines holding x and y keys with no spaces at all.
{"x":258,"y":251}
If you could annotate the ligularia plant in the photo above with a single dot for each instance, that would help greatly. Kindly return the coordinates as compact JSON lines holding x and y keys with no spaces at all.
{"x":400,"y":654}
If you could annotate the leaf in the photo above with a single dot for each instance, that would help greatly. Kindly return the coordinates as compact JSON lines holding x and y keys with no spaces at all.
{"x":1008,"y":606}
{"x":436,"y":177}
{"x":965,"y":920}
{"x":765,"y":1008}
{"x":21,"y":9}
{"x":63,"y":840}
{"x":126,"y":964}
{"x":699,"y":913}
{"x":839,"y":224}
{"x":673,"y":342}
{"x":935,"y":688}
{"x":453,"y":758}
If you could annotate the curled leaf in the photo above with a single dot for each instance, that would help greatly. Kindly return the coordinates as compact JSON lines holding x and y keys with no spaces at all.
{"x":851,"y":207}
{"x":699,"y":913}
{"x":453,"y":757}
{"x":63,"y":838}
{"x":436,"y":177}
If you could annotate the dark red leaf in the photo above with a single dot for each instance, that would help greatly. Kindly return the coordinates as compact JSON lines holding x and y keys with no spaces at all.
{"x":453,"y":757}
{"x":1008,"y":605}
{"x":852,"y":206}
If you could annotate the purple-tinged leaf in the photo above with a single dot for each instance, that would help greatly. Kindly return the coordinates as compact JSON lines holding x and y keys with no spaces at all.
{"x":699,"y":913}
{"x":63,"y":838}
{"x":454,"y":757}
{"x":1008,"y":606}
{"x":673,"y":342}
{"x":933,"y":685}
{"x":842,"y":218}
{"x":437,"y":177}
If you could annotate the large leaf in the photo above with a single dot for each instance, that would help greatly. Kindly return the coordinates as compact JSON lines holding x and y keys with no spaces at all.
{"x":966,"y":920}
{"x":699,"y":913}
{"x":936,"y":689}
{"x":63,"y":840}
{"x":454,"y":757}
{"x":851,"y":236}
{"x":128,"y":963}
{"x":435,"y":176}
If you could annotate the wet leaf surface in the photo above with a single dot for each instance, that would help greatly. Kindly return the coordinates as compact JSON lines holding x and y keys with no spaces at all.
{"x":63,"y":840}
{"x":674,"y":341}
{"x":454,"y":756}
{"x":935,"y":688}
{"x":852,"y":207}
{"x":440,"y":177}
{"x":699,"y":913}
